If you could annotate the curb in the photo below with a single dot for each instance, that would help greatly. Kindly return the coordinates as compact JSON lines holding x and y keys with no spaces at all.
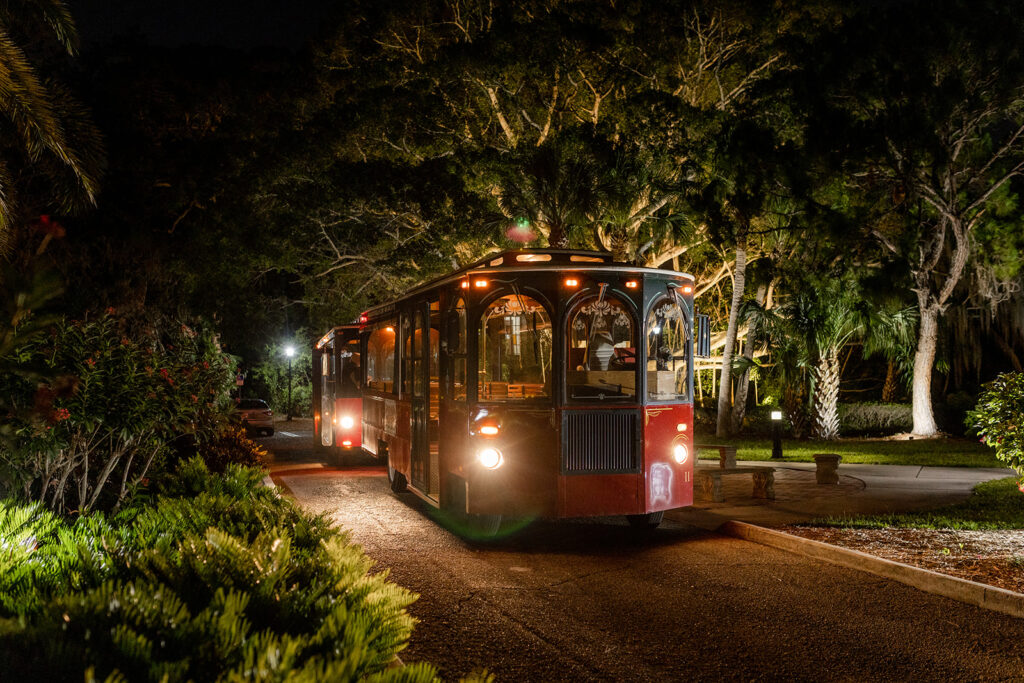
{"x":971,"y":592}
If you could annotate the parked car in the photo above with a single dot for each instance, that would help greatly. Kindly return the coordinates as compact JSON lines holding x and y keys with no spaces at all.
{"x":255,"y":416}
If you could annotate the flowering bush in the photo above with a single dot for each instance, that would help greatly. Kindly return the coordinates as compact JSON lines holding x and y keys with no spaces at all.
{"x":89,"y":436}
{"x":999,"y":418}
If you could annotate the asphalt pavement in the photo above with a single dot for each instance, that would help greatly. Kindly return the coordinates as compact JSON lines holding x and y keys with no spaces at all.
{"x":595,"y":600}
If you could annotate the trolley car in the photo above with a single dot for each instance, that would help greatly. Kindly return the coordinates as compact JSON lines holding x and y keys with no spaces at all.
{"x":337,"y":394}
{"x":535,"y":383}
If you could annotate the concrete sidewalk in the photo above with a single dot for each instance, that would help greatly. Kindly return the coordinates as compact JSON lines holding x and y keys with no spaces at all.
{"x":862,"y":489}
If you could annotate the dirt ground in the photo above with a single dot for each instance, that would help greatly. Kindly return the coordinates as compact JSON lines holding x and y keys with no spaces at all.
{"x":992,"y":557}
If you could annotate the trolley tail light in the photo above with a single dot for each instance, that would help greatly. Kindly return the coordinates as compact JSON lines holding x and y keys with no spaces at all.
{"x":364,"y":318}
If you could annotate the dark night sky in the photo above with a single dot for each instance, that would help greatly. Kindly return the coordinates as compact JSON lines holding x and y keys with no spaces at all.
{"x":230,"y":23}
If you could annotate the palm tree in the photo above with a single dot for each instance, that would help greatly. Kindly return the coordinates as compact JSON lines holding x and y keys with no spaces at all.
{"x":43,"y":120}
{"x":554,"y":186}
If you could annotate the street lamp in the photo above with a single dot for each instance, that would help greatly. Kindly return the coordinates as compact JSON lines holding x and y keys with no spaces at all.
{"x":289,"y":351}
{"x":776,"y":435}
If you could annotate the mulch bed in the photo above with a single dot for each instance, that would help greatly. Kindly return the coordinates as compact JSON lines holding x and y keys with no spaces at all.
{"x":992,"y":557}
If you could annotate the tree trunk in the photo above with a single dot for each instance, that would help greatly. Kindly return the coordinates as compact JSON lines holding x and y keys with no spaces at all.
{"x":890,"y":386}
{"x":793,"y":404}
{"x":826,"y":396}
{"x":738,"y":283}
{"x":739,"y":408}
{"x":924,"y":361}
{"x":557,"y":238}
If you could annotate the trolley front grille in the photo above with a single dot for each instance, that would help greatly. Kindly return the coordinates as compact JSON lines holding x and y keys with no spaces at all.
{"x":600,"y":441}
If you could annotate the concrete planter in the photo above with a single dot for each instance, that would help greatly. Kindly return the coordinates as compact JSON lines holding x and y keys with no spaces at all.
{"x":827,"y":468}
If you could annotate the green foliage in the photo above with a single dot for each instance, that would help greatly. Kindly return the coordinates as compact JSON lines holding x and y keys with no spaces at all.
{"x":231,"y":446}
{"x":217,"y":577}
{"x":876,"y":418}
{"x":997,"y":504}
{"x":91,"y":434}
{"x":999,"y":418}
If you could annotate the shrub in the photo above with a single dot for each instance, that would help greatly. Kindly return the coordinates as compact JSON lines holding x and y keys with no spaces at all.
{"x":229,"y":446}
{"x":215,"y":578}
{"x":93,"y":434}
{"x":999,"y":418}
{"x":875,"y":418}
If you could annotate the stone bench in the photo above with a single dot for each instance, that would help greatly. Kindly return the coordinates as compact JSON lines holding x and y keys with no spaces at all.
{"x":726,"y":454}
{"x":710,"y":480}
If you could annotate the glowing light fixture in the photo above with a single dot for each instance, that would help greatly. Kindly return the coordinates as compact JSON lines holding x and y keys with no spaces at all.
{"x":680,"y":453}
{"x":490,"y":458}
{"x":464,"y":284}
{"x":681,"y":427}
{"x":347,"y":422}
{"x":776,"y":414}
{"x":289,"y":351}
{"x":489,"y":430}
{"x":572,"y":282}
{"x":346,"y":444}
{"x":687,"y":289}
{"x":390,"y":329}
{"x":479,"y":284}
{"x":363,"y":318}
{"x":632,"y":284}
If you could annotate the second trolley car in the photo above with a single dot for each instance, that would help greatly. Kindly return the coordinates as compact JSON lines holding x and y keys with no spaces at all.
{"x":535,"y":383}
{"x":337,"y":390}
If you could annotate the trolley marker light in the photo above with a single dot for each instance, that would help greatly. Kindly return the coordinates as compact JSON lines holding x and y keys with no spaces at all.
{"x":681,"y":427}
{"x":479,"y":284}
{"x":464,"y":284}
{"x":490,"y":458}
{"x":680,"y":453}
{"x":364,"y":318}
{"x":632,"y":284}
{"x":572,"y":282}
{"x":687,"y":289}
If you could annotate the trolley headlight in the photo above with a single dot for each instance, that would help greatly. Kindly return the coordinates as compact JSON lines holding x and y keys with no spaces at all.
{"x":347,"y":422}
{"x":680,"y":453}
{"x":490,"y":458}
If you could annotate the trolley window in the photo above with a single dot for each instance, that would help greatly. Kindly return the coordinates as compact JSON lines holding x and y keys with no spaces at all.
{"x":457,"y":338}
{"x":351,"y":372}
{"x":668,"y":352}
{"x":602,"y":351}
{"x":380,"y":358}
{"x":514,"y":350}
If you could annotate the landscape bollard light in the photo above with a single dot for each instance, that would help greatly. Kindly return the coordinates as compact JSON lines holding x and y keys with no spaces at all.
{"x":289,"y":351}
{"x":776,"y":435}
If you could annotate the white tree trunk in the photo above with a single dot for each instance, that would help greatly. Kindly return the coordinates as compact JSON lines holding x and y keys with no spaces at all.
{"x":739,"y":408}
{"x":738,"y":283}
{"x":826,"y":396}
{"x":924,"y":361}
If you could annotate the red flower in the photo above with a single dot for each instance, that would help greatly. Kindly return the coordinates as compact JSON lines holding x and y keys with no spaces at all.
{"x":110,"y":310}
{"x":206,"y":365}
{"x":1020,"y":485}
{"x":61,"y":414}
{"x":195,"y":399}
{"x":91,"y":362}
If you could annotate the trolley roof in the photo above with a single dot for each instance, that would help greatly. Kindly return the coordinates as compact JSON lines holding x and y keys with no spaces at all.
{"x":532,"y":260}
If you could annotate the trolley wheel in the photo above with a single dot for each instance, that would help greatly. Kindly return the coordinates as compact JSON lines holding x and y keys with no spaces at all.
{"x":396,"y":479}
{"x":648,"y":521}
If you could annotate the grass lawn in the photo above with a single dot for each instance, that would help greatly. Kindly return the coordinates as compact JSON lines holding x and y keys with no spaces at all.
{"x":934,"y":452}
{"x":996,"y":504}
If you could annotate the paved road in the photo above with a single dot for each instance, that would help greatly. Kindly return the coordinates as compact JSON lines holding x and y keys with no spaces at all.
{"x":597,"y":601}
